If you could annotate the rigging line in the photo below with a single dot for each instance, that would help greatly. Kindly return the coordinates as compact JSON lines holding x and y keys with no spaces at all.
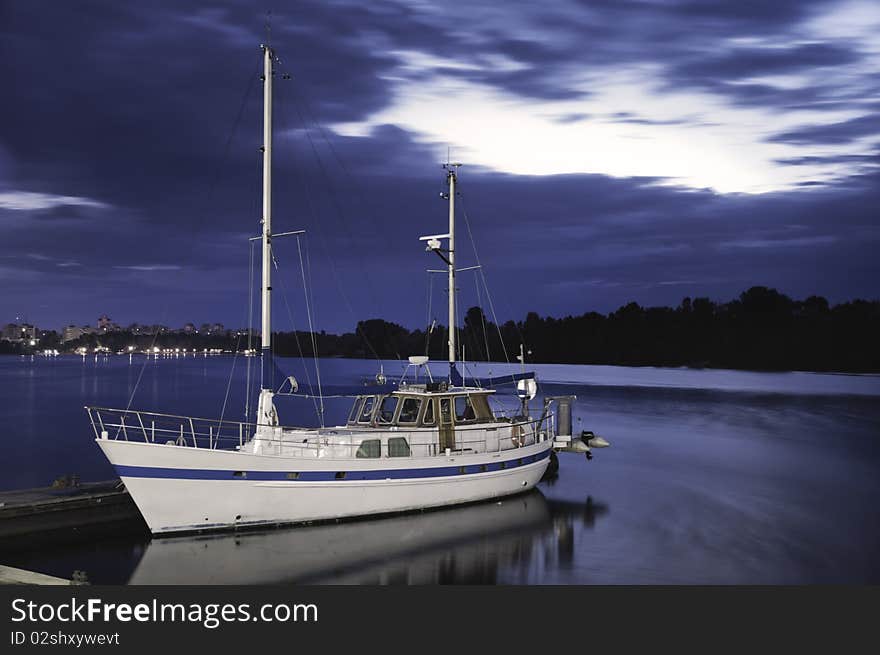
{"x":247,"y":388}
{"x":311,"y":288}
{"x":430,"y":321}
{"x":486,"y":287}
{"x":306,"y":293}
{"x":302,"y":357}
{"x":326,"y":250}
{"x":200,"y":220}
{"x":482,"y":318}
{"x":329,"y":184}
{"x":341,"y":214}
{"x":485,"y":283}
{"x":229,"y":383}
{"x":354,"y":182}
{"x":281,"y":102}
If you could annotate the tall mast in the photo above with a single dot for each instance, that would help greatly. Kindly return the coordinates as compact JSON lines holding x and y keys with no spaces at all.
{"x":266,"y":359}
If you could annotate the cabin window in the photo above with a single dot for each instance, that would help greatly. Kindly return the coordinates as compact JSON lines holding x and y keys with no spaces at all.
{"x":370,"y":448}
{"x":464,"y":410}
{"x":367,"y":411}
{"x":409,"y":410}
{"x":355,"y":410}
{"x":386,"y":409}
{"x":445,"y":411}
{"x":480,"y":404}
{"x":429,"y":413}
{"x":398,"y":447}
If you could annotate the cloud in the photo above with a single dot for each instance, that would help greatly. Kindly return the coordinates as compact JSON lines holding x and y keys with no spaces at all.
{"x":614,"y":151}
{"x":834,"y":133}
{"x":32,"y":201}
{"x":798,"y":242}
{"x":151,"y":267}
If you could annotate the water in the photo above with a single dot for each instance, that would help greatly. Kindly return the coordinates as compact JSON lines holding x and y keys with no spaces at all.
{"x":713,"y":477}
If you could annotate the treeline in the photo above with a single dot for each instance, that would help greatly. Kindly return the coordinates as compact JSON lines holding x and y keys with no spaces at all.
{"x":761,"y":330}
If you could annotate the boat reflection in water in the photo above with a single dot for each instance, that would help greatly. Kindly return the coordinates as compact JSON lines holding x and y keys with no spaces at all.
{"x":470,"y":544}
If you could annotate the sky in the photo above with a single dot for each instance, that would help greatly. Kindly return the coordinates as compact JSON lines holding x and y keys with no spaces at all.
{"x":613,"y":151}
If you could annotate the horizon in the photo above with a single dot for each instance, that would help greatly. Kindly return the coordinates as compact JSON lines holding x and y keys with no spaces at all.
{"x":124,"y":325}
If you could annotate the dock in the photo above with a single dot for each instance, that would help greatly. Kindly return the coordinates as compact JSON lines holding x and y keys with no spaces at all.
{"x":11,"y":575}
{"x":64,"y":510}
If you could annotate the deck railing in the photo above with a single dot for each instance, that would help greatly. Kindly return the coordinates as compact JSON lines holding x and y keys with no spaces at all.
{"x":214,"y":434}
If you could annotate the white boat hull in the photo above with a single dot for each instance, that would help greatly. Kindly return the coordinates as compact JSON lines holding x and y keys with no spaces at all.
{"x":179,"y":489}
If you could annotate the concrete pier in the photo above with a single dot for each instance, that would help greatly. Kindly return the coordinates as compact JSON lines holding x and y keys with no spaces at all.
{"x":10,"y":575}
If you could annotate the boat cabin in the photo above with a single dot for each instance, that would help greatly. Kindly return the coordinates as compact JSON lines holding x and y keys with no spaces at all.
{"x":415,"y":407}
{"x":423,"y":420}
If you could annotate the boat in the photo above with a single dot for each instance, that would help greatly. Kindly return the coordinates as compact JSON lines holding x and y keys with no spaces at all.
{"x":406,"y":446}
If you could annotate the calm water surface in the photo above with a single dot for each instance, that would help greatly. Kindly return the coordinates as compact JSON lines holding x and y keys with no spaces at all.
{"x":713,"y":477}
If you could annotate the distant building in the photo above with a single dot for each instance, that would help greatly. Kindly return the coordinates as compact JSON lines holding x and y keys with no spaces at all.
{"x":16,"y":332}
{"x":104,"y":323}
{"x":73,"y":332}
{"x":189,"y":328}
{"x":70,"y":333}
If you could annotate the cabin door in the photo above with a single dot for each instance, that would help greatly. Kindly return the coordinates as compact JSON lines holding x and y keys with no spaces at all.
{"x":447,"y":430}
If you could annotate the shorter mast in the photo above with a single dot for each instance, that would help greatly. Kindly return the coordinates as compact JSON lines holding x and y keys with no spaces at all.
{"x":451,"y":179}
{"x":448,"y":257}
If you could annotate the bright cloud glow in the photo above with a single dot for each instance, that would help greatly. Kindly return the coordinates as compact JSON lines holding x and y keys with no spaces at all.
{"x":634,"y":119}
{"x":30,"y":201}
{"x":690,"y":138}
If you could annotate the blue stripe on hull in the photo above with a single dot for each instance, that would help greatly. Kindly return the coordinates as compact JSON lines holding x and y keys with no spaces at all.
{"x":325,"y":476}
